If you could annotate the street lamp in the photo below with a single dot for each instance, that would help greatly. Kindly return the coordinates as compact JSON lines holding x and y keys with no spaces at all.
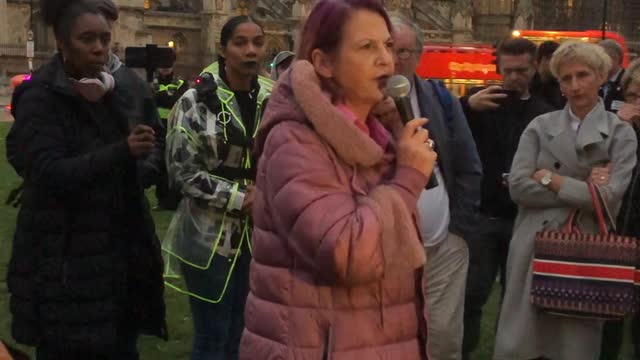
{"x":30,"y":42}
{"x":604,"y":19}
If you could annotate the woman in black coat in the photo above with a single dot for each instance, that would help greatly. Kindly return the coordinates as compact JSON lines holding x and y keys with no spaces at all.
{"x":85,"y":274}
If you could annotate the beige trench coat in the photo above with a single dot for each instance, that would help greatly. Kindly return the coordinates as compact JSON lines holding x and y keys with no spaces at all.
{"x":549,"y":142}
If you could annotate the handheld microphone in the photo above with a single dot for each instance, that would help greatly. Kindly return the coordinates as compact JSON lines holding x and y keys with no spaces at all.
{"x":399,"y":88}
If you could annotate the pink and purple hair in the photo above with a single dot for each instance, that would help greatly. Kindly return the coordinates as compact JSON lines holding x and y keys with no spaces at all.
{"x":325,"y":25}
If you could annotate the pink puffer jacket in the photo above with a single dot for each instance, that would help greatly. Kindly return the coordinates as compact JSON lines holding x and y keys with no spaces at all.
{"x":337,"y":260}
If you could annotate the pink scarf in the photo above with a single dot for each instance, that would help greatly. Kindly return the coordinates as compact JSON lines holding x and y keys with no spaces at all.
{"x":371,"y":127}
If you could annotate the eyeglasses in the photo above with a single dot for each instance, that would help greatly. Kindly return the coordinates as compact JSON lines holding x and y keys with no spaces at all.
{"x":404,"y":54}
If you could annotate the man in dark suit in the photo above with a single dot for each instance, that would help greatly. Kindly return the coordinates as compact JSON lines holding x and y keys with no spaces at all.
{"x":497,"y":117}
{"x":446,"y":212}
{"x":611,"y":91}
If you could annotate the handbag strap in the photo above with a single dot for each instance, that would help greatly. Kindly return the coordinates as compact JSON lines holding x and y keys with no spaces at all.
{"x":605,"y":207}
{"x":598,"y":206}
{"x":570,"y":225}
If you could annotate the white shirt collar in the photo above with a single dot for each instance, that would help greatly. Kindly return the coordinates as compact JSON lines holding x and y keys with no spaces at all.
{"x":575,"y":121}
{"x":615,"y":77}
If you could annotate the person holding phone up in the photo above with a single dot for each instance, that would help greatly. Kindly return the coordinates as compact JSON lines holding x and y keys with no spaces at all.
{"x":497,"y":117}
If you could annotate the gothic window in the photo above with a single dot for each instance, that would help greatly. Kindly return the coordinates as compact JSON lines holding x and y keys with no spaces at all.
{"x":272,"y":9}
{"x":180,"y":43}
{"x":42,"y":36}
{"x":494,"y":7}
{"x":181,"y":6}
{"x":622,"y":16}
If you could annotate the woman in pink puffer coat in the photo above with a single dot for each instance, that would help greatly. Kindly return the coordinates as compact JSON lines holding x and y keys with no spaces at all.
{"x":337,"y":260}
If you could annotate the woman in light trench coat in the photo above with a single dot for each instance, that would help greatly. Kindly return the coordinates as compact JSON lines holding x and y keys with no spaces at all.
{"x":558,"y":153}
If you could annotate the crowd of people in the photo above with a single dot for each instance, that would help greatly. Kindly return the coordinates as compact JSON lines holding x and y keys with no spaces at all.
{"x":303,"y":226}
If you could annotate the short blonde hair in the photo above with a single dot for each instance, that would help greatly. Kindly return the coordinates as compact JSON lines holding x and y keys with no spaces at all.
{"x":631,"y":76}
{"x":590,"y":55}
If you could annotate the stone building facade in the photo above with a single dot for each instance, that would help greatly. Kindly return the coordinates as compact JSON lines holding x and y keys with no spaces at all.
{"x":194,"y":25}
{"x":623,"y":16}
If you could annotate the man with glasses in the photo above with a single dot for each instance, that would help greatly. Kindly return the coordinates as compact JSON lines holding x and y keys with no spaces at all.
{"x":497,"y":117}
{"x":445,"y":211}
{"x":611,"y":91}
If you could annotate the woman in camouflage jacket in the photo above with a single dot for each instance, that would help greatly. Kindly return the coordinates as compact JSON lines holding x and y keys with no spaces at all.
{"x":209,"y":158}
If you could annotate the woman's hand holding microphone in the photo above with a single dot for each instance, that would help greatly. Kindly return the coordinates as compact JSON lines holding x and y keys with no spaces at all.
{"x":415,"y":149}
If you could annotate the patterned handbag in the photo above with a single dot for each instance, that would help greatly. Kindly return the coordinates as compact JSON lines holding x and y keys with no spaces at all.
{"x":585,"y":275}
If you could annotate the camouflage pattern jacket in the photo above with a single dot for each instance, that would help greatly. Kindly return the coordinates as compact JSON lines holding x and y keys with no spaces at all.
{"x":208,"y":157}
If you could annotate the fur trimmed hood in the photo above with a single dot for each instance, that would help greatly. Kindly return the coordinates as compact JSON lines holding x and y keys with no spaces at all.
{"x":298,"y":97}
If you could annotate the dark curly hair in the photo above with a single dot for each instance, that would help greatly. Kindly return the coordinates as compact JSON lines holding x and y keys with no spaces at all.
{"x":229,"y":28}
{"x":546,"y":50}
{"x":109,"y":9}
{"x":61,"y":14}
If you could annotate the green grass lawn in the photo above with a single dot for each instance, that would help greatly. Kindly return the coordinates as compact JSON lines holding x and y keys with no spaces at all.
{"x":178,"y":314}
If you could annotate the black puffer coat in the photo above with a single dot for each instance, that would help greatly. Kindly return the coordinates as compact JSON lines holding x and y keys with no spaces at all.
{"x":86,"y":260}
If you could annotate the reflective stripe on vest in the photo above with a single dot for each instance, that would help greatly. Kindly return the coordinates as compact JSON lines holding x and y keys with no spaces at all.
{"x":229,"y":113}
{"x":171,"y":86}
{"x":164,"y":113}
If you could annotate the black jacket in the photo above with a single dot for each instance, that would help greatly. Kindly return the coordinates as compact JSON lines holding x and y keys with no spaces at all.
{"x":142,"y":110}
{"x":497,"y":134}
{"x":614,"y":94}
{"x":548,"y":91}
{"x":85,"y":260}
{"x":166,"y":99}
{"x":457,"y":155}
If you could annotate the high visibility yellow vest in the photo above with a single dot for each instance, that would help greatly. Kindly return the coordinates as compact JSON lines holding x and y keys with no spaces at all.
{"x":164,"y":112}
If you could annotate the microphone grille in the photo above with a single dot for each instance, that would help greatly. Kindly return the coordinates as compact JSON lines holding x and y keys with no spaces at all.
{"x":398,"y":86}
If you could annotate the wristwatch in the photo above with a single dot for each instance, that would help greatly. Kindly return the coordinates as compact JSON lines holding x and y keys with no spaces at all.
{"x":546,"y":178}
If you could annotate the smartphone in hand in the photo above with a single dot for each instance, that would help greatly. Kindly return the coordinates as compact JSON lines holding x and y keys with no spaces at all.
{"x":512,"y":96}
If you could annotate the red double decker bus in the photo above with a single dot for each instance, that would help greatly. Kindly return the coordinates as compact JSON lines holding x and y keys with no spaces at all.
{"x":592,"y":36}
{"x":459,"y":66}
{"x":463,"y":66}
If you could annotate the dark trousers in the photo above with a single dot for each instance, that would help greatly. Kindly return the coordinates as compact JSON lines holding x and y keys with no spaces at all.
{"x":612,"y":335}
{"x":125,"y":349}
{"x":612,"y":338}
{"x":217,"y":328}
{"x":488,"y":248}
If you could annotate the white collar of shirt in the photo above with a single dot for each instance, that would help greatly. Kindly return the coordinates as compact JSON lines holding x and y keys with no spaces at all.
{"x":413,"y":93}
{"x":615,"y":77}
{"x":576,"y":118}
{"x":575,"y":121}
{"x":415,"y":105}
